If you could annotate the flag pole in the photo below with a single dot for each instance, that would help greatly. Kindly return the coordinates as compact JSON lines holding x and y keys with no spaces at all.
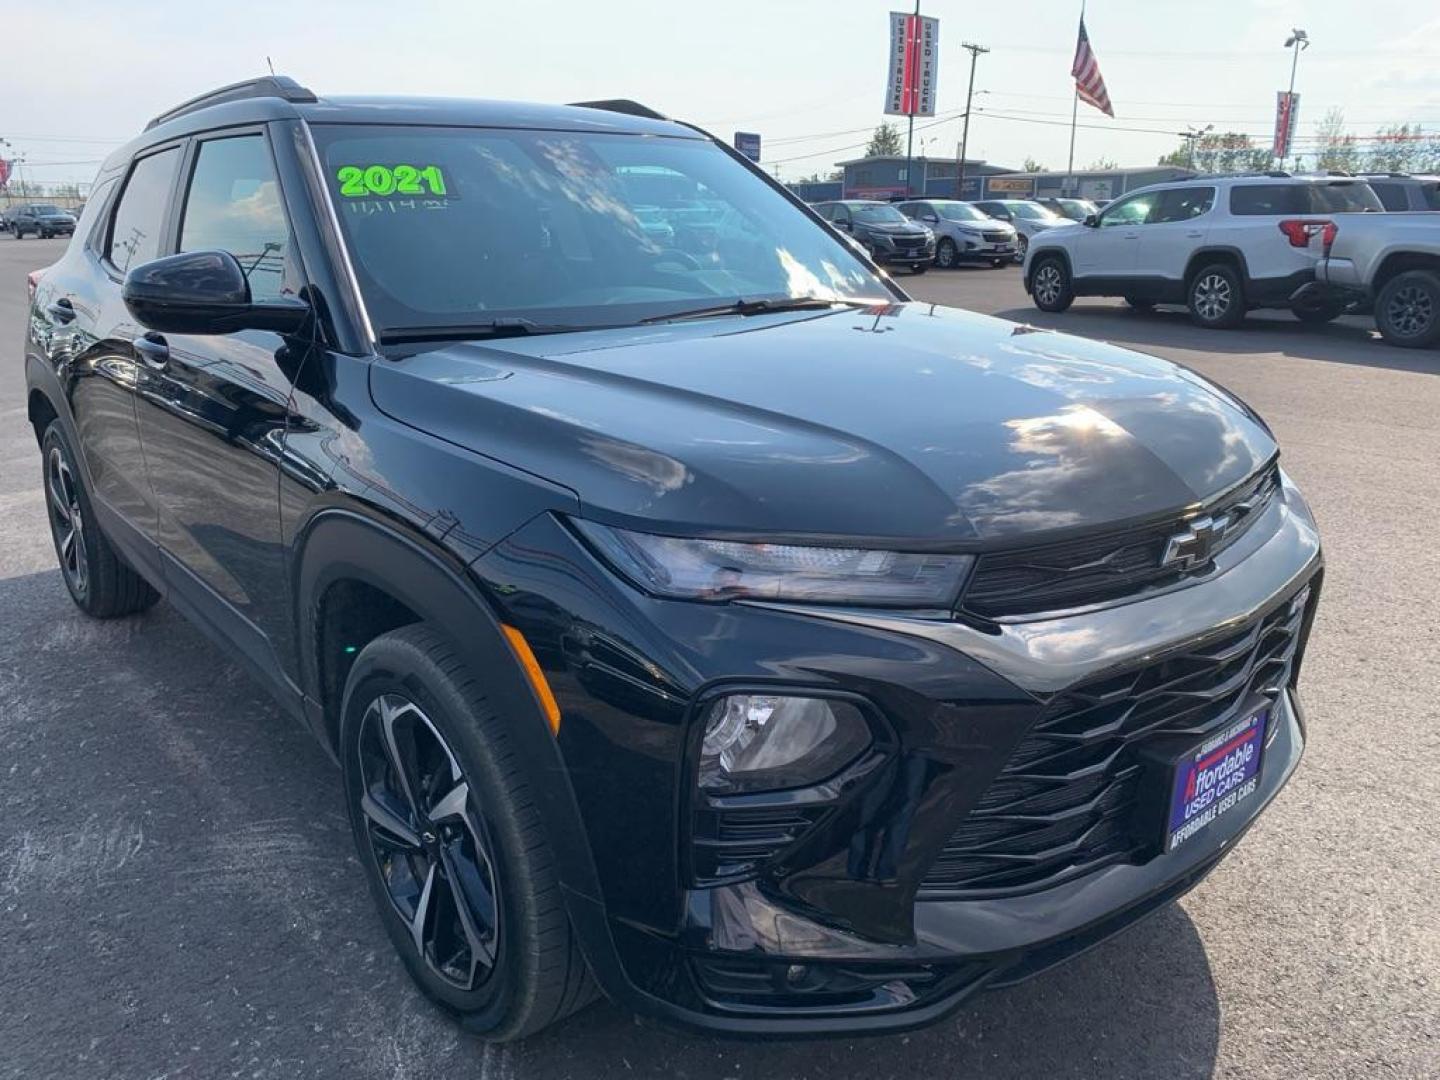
{"x":1074,"y":116}
{"x":910,"y":138}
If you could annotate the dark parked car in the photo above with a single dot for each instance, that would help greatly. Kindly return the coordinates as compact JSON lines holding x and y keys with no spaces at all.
{"x":44,"y":220}
{"x":722,"y":631}
{"x":1074,"y":209}
{"x":883,"y":231}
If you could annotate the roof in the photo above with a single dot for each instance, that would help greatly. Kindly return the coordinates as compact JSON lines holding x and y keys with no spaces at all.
{"x":279,"y":98}
{"x":917,"y":158}
{"x":1134,"y":170}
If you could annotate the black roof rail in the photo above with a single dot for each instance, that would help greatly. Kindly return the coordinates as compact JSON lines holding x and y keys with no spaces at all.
{"x":1278,"y":174}
{"x":621,"y":105}
{"x":276,"y":86}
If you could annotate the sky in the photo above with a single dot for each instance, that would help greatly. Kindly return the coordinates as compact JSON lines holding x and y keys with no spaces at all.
{"x":807,"y":74}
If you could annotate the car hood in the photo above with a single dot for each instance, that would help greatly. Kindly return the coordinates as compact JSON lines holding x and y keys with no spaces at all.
{"x":903,"y":422}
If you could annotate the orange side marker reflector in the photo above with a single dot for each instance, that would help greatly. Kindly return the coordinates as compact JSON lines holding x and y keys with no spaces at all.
{"x":535,"y":675}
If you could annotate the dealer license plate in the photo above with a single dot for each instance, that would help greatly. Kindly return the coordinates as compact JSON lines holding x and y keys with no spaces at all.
{"x":1215,"y":777}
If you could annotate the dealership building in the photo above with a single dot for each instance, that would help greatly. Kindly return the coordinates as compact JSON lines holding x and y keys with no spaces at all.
{"x":886,"y":178}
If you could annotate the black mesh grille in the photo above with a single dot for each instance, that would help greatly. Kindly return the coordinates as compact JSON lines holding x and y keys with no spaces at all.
{"x":1071,"y":799}
{"x":995,"y":237}
{"x":730,"y":843}
{"x":1110,"y":566}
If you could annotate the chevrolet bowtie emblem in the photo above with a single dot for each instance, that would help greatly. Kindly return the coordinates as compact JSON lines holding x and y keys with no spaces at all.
{"x":1195,"y":546}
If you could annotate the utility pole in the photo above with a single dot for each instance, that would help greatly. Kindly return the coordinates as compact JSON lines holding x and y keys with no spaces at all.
{"x":1298,"y":40}
{"x":1191,"y":135}
{"x":974,"y":51}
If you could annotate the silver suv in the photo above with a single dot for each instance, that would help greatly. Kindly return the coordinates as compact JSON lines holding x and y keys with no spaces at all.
{"x":1221,"y":245}
{"x":963,"y":233}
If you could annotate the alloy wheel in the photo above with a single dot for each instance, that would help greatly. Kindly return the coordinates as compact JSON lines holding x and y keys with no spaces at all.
{"x":1048,"y":284}
{"x":433,"y":849}
{"x":66,"y":521}
{"x":946,"y":254}
{"x":1212,"y":297}
{"x":1410,"y":311}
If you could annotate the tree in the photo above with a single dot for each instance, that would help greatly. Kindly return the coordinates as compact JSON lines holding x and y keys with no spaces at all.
{"x":1336,"y":150}
{"x":885,"y":142}
{"x":1103,"y":164}
{"x":1220,"y":152}
{"x":1031,"y":165}
{"x":1397,"y":148}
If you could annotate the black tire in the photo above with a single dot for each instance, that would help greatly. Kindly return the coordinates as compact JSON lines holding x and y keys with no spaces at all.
{"x":1051,"y":288}
{"x":100,"y":582}
{"x":947,"y":255}
{"x":534,"y":974}
{"x":19,"y":234}
{"x":1022,"y":245}
{"x":1216,"y":297}
{"x":1407,"y":310}
{"x":1140,"y":303}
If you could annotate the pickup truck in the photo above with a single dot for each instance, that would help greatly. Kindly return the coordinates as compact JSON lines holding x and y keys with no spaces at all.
{"x":1391,"y":262}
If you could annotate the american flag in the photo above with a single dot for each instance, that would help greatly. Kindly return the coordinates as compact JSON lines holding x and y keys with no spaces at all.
{"x":1086,"y":69}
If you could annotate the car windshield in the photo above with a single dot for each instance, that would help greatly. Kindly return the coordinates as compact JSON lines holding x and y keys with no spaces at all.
{"x":48,"y":209}
{"x":1033,"y":211}
{"x":959,"y":211}
{"x":462,"y":227}
{"x":878,"y":214}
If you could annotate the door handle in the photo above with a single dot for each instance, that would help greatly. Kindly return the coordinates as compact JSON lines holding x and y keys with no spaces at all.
{"x":1132,"y":236}
{"x":62,"y":310}
{"x":1194,"y":235}
{"x":153,"y":350}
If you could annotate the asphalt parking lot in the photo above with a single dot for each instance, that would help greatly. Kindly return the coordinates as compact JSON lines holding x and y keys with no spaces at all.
{"x":178,"y":896}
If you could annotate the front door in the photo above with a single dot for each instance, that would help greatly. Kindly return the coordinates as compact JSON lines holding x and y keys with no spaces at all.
{"x":1110,"y":249}
{"x":212,"y":408}
{"x":1177,"y":225}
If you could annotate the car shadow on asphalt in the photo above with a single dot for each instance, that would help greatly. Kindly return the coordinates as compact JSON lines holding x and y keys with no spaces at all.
{"x":211,"y":769}
{"x":1347,"y":341}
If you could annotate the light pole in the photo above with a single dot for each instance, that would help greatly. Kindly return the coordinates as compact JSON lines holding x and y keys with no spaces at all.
{"x":1190,"y":135}
{"x":1298,"y":40}
{"x":974,"y":51}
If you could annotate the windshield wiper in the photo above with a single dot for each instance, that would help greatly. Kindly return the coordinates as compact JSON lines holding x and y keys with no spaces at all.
{"x":513,"y":326}
{"x":755,"y":307}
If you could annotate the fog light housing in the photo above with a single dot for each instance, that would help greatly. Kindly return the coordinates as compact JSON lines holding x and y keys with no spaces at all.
{"x":770,"y":742}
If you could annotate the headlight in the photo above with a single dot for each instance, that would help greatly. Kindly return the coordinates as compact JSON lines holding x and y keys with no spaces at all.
{"x":769,"y":742}
{"x":696,"y":569}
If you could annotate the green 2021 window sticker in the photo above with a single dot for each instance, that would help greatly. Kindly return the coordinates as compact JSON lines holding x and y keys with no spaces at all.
{"x":368,"y":181}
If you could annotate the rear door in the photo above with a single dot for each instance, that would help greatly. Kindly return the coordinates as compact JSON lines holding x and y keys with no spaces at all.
{"x":96,"y":344}
{"x":213,"y":411}
{"x":1177,"y":225}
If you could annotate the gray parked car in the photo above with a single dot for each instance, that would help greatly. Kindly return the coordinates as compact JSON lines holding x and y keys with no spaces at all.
{"x":963,"y":233}
{"x":1401,"y":191}
{"x":39,"y":219}
{"x":1029,"y":218}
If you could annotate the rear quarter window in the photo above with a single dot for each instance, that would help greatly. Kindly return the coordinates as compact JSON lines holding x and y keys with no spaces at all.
{"x":1391,"y":196}
{"x":1261,"y":199}
{"x":1431,"y":193}
{"x":1344,"y":198}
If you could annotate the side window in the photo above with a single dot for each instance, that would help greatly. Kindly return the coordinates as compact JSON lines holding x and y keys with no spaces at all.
{"x":89,"y":224}
{"x":1430,"y":189}
{"x":140,"y":215}
{"x":1131,"y":211}
{"x":910,"y":209}
{"x":1260,"y":199}
{"x":826,"y":211}
{"x":1392,"y":196}
{"x":842,"y":213}
{"x":233,"y":205}
{"x":1182,"y":204}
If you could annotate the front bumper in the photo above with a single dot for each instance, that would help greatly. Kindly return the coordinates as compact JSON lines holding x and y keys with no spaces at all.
{"x":824,"y":937}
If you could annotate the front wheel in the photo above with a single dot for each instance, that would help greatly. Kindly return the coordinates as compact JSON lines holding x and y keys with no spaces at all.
{"x":443,"y":812}
{"x":947,"y":254}
{"x":1022,"y":245}
{"x":1217,"y":297}
{"x":1407,"y":311}
{"x":1050,"y":284}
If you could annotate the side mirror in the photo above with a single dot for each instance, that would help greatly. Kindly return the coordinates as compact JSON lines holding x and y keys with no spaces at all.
{"x":204,"y":292}
{"x":930,"y":219}
{"x":1091,"y":220}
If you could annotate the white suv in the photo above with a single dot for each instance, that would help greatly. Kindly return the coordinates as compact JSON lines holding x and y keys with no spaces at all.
{"x":1220,"y":245}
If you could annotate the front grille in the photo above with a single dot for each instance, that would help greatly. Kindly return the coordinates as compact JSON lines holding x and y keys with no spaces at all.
{"x":1109,"y":566}
{"x":910,"y":243}
{"x":1075,"y":796}
{"x":996,"y":237}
